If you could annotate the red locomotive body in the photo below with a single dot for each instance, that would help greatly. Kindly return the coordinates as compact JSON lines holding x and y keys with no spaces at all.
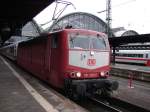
{"x":72,"y":59}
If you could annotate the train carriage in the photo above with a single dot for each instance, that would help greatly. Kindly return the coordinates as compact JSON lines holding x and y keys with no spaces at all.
{"x":10,"y":51}
{"x":138,"y":57}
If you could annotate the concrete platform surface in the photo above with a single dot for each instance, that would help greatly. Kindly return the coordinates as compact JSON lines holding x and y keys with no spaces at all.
{"x":138,"y":93}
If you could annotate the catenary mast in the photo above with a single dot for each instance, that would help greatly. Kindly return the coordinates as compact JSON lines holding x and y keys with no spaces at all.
{"x":108,"y":17}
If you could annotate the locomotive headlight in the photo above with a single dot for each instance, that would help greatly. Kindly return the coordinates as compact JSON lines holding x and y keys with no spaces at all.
{"x":78,"y":74}
{"x":102,"y":74}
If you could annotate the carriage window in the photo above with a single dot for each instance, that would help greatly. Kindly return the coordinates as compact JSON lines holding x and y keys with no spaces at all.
{"x":146,"y":55}
{"x":131,"y":55}
{"x":54,"y":41}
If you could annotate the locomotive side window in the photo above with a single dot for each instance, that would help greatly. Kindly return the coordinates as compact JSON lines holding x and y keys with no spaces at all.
{"x":54,"y":41}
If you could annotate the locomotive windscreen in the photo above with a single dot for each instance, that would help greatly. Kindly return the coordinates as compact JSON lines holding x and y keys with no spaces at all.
{"x":81,"y":41}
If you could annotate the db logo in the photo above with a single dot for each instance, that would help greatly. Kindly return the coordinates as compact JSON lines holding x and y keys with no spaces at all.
{"x":91,"y":62}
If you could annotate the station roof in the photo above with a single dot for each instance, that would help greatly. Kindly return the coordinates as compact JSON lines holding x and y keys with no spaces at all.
{"x":80,"y":20}
{"x":16,"y":13}
{"x":117,"y":41}
{"x":125,"y":33}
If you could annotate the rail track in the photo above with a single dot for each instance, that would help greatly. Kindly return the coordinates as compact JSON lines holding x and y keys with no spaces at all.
{"x":116,"y":105}
{"x":106,"y":105}
{"x":125,"y":105}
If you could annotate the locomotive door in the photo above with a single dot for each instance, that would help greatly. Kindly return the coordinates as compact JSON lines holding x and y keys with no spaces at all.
{"x":54,"y":60}
{"x":48,"y":59}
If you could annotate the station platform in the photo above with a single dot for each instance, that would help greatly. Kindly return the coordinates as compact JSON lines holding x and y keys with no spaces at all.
{"x":132,"y":67}
{"x":135,"y":92}
{"x":17,"y":95}
{"x":136,"y":72}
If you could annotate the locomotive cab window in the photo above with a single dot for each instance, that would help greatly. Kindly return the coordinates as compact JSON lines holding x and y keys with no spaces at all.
{"x":77,"y":41}
{"x":98,"y":43}
{"x":81,"y":41}
{"x":54,"y":41}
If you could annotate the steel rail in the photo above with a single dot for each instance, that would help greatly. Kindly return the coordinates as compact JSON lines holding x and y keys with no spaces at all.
{"x":113,"y":109}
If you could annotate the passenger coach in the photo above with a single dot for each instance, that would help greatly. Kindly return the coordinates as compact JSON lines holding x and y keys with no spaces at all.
{"x":139,"y":57}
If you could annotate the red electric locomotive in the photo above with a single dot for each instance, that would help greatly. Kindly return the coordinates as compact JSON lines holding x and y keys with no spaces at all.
{"x":75,"y":60}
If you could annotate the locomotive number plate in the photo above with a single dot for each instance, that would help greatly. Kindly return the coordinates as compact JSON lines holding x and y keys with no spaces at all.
{"x":91,"y":62}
